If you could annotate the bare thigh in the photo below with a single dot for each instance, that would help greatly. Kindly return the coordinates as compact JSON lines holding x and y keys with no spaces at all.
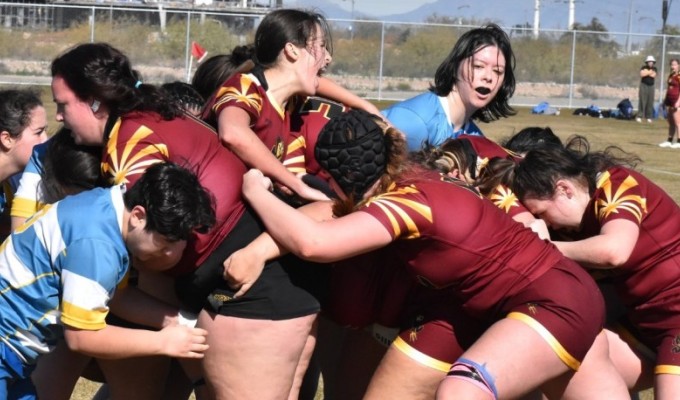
{"x":142,"y":378}
{"x":400,"y":377}
{"x":636,"y":369}
{"x":251,"y":358}
{"x":57,"y":372}
{"x":597,"y":377}
{"x":516,"y":357}
{"x":667,"y":387}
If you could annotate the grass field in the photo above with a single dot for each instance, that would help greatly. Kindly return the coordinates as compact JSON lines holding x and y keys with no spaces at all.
{"x":659,"y":164}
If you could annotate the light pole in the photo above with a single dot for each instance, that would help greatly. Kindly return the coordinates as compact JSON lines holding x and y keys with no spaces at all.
{"x":537,"y":18}
{"x":665,"y":7}
{"x":351,"y":25}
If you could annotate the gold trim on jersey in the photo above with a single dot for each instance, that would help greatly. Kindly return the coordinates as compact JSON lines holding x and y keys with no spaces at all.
{"x":614,"y":202}
{"x":240,"y":94}
{"x":122,"y":165}
{"x":557,"y":347}
{"x":393,"y":206}
{"x":299,"y":143}
{"x":419,"y":357}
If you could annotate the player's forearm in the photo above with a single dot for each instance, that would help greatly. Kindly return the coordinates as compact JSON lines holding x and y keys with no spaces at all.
{"x":114,"y":342}
{"x":136,"y":306}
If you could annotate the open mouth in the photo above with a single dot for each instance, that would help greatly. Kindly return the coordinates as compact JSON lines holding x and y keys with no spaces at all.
{"x":483,"y":90}
{"x":322,"y":71}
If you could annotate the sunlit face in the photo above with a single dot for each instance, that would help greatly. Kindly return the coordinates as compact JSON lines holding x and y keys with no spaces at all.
{"x":77,"y":115}
{"x":480,"y":77}
{"x":315,"y":59}
{"x":33,"y":134}
{"x":559,"y":212}
{"x":150,"y":250}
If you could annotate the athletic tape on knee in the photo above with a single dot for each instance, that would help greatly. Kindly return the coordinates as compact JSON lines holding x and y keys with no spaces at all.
{"x":474,"y":373}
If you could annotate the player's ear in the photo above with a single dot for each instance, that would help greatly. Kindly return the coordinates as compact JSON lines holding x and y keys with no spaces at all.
{"x":6,"y":140}
{"x":138,"y":217}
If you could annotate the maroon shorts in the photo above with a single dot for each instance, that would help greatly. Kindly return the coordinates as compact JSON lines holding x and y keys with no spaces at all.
{"x":436,"y":330}
{"x":369,"y":288}
{"x":655,"y":327}
{"x":564,"y":306}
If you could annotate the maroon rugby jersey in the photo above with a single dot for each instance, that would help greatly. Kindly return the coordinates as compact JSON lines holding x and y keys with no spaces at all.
{"x":673,"y":91}
{"x":141,"y":139}
{"x":502,"y":196}
{"x":268,"y":119}
{"x":653,"y":270}
{"x":452,"y":237}
{"x":306,"y":124}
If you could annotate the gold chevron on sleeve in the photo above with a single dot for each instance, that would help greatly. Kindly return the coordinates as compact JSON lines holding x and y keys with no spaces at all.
{"x":617,"y":201}
{"x":129,"y":162}
{"x":298,"y":143}
{"x":400,"y":210}
{"x":239,"y":95}
{"x":504,"y":198}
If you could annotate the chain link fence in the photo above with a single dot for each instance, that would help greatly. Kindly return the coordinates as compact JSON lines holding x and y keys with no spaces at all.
{"x":379,"y":60}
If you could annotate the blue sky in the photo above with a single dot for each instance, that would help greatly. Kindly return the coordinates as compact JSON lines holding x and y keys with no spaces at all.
{"x":381,"y":7}
{"x":632,"y":16}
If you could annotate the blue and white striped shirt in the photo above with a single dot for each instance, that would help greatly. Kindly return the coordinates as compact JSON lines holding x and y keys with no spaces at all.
{"x":61,"y":267}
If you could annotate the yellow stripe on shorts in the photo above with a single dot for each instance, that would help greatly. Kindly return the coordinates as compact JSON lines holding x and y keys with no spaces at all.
{"x":420,"y":357}
{"x":561,"y":352}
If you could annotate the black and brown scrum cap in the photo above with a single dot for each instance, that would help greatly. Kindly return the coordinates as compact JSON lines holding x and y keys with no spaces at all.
{"x":351,"y":147}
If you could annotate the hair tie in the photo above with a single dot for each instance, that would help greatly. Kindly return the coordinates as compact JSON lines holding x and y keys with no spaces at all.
{"x":138,"y":84}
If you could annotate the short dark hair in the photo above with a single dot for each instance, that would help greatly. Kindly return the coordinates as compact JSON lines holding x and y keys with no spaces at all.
{"x":15,"y":110}
{"x":467,"y":45}
{"x":175,"y":202}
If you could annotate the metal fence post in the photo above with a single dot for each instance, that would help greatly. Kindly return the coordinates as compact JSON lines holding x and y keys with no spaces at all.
{"x":187,"y":46}
{"x":573,"y":61}
{"x":662,"y":79}
{"x":382,"y":54}
{"x":92,"y":26}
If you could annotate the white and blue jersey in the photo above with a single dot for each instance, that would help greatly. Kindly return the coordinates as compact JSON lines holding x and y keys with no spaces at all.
{"x":425,"y":118}
{"x":61,"y":267}
{"x":28,"y":197}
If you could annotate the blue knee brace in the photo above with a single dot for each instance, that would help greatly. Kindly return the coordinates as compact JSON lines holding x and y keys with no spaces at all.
{"x":471,"y":371}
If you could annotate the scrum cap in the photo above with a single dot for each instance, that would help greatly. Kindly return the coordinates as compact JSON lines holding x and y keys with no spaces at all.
{"x":351,"y":147}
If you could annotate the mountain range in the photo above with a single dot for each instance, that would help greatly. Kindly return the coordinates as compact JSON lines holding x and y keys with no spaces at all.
{"x":618,"y":16}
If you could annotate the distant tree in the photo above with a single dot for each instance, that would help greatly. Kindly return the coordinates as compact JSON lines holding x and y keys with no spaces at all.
{"x":672,"y":40}
{"x":520,"y":30}
{"x":590,"y":36}
{"x":447,"y":20}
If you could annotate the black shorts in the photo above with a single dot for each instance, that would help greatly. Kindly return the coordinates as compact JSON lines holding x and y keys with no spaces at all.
{"x":274,"y":295}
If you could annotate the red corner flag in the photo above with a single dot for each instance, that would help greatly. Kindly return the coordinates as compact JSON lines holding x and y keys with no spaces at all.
{"x":198,"y":52}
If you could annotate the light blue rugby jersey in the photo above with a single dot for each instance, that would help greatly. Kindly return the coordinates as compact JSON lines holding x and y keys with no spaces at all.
{"x":423,"y":119}
{"x":61,"y":267}
{"x":28,"y":196}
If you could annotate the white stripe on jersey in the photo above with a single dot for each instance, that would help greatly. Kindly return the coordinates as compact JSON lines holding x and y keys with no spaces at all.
{"x":83,"y":292}
{"x":12,"y":269}
{"x":48,"y":232}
